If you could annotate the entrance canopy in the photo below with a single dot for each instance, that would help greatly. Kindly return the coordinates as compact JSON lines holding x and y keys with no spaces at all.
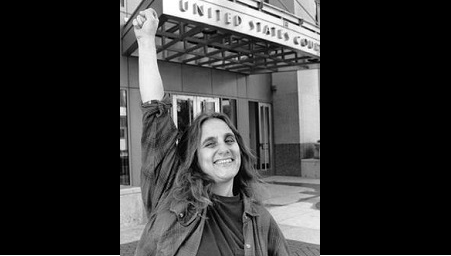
{"x":243,"y":36}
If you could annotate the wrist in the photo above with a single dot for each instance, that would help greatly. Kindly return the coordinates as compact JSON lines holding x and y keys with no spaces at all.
{"x":146,"y":42}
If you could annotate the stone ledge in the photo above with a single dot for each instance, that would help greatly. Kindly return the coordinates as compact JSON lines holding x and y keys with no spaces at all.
{"x":129,"y":190}
{"x":314,"y":160}
{"x":310,"y":168}
{"x":131,"y":207}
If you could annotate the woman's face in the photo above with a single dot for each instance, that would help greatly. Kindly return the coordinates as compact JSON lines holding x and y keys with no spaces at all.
{"x":218,"y":154}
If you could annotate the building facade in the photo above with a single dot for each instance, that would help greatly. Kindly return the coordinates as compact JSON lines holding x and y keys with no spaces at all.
{"x":256,"y":61}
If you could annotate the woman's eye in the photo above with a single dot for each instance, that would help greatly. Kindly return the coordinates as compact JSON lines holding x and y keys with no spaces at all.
{"x":230,"y":140}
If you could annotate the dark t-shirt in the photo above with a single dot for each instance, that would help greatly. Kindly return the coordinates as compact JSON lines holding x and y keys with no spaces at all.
{"x":223,"y":230}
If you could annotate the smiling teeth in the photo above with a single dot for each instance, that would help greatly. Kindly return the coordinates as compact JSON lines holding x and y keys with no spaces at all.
{"x":224,"y":161}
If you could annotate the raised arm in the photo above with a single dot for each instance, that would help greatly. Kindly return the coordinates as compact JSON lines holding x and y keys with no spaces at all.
{"x":150,"y":83}
{"x":159,"y":134}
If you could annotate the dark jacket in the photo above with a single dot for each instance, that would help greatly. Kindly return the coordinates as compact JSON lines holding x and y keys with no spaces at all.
{"x":177,"y":229}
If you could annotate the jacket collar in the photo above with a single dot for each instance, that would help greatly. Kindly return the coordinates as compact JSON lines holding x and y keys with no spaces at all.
{"x":250,"y":207}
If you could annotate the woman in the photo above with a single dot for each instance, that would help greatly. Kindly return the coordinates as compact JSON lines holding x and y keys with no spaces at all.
{"x":200,"y":194}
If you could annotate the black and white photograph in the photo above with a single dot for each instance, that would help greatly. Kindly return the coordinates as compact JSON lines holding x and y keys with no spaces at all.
{"x":220,"y":127}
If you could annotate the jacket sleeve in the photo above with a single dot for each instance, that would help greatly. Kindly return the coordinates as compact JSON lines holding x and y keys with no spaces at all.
{"x":277,"y":245}
{"x":158,"y":155}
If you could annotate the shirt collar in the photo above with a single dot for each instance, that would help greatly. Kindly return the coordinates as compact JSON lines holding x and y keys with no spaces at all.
{"x":250,"y":207}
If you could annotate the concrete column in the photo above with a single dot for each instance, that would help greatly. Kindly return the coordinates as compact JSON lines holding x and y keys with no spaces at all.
{"x":243,"y":120}
{"x":296,"y":119}
{"x":135,"y":127}
{"x":309,"y":122}
{"x":287,"y":148}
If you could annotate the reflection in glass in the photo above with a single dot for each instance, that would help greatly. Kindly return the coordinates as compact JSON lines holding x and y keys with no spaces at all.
{"x":267,"y":134}
{"x":228,"y":107}
{"x":264,"y":143}
{"x":207,"y":106}
{"x":184,"y":113}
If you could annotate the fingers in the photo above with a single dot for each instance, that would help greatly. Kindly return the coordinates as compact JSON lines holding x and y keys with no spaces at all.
{"x":149,"y":13}
{"x":140,"y":20}
{"x":135,"y":23}
{"x":154,"y":13}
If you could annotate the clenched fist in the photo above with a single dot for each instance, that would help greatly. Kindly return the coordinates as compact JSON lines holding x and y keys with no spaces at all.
{"x":145,"y":25}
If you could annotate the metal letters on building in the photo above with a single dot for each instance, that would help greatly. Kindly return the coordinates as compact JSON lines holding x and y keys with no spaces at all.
{"x":250,"y":22}
{"x":244,"y":36}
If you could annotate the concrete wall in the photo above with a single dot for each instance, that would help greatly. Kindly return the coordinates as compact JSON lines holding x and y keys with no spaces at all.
{"x":286,"y":124}
{"x":296,"y":119}
{"x":131,"y":207}
{"x":196,"y":80}
{"x":135,"y":129}
{"x":224,"y":84}
{"x":309,"y":122}
{"x":308,"y":93}
{"x":242,"y":108}
{"x":310,"y":168}
{"x":259,"y":87}
{"x":295,"y":8}
{"x":286,"y":111}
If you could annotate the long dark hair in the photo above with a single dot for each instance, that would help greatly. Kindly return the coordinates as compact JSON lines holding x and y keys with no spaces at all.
{"x":193,"y":185}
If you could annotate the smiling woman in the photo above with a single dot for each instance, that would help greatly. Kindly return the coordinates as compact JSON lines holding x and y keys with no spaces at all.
{"x":200,"y":191}
{"x":215,"y":153}
{"x":219,"y":155}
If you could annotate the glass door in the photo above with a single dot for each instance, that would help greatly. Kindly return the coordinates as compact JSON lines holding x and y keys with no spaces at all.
{"x":265,"y":143}
{"x":125,"y":171}
{"x":185,"y":110}
{"x":260,"y":136}
{"x":188,"y":107}
{"x":207,"y":105}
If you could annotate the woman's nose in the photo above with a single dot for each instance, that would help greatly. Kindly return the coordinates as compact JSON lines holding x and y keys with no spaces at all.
{"x":224,"y":150}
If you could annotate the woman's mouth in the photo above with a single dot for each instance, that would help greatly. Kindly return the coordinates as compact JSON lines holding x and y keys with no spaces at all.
{"x":223,"y":161}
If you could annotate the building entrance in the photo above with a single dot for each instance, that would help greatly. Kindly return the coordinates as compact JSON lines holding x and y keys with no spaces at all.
{"x":188,"y":107}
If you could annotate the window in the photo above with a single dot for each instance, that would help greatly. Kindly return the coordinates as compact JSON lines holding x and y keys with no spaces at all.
{"x":185,"y":112}
{"x":228,"y":107}
{"x":317,"y":12}
{"x":125,"y":172}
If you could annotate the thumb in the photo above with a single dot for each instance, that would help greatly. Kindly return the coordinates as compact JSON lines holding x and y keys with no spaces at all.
{"x":135,"y":24}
